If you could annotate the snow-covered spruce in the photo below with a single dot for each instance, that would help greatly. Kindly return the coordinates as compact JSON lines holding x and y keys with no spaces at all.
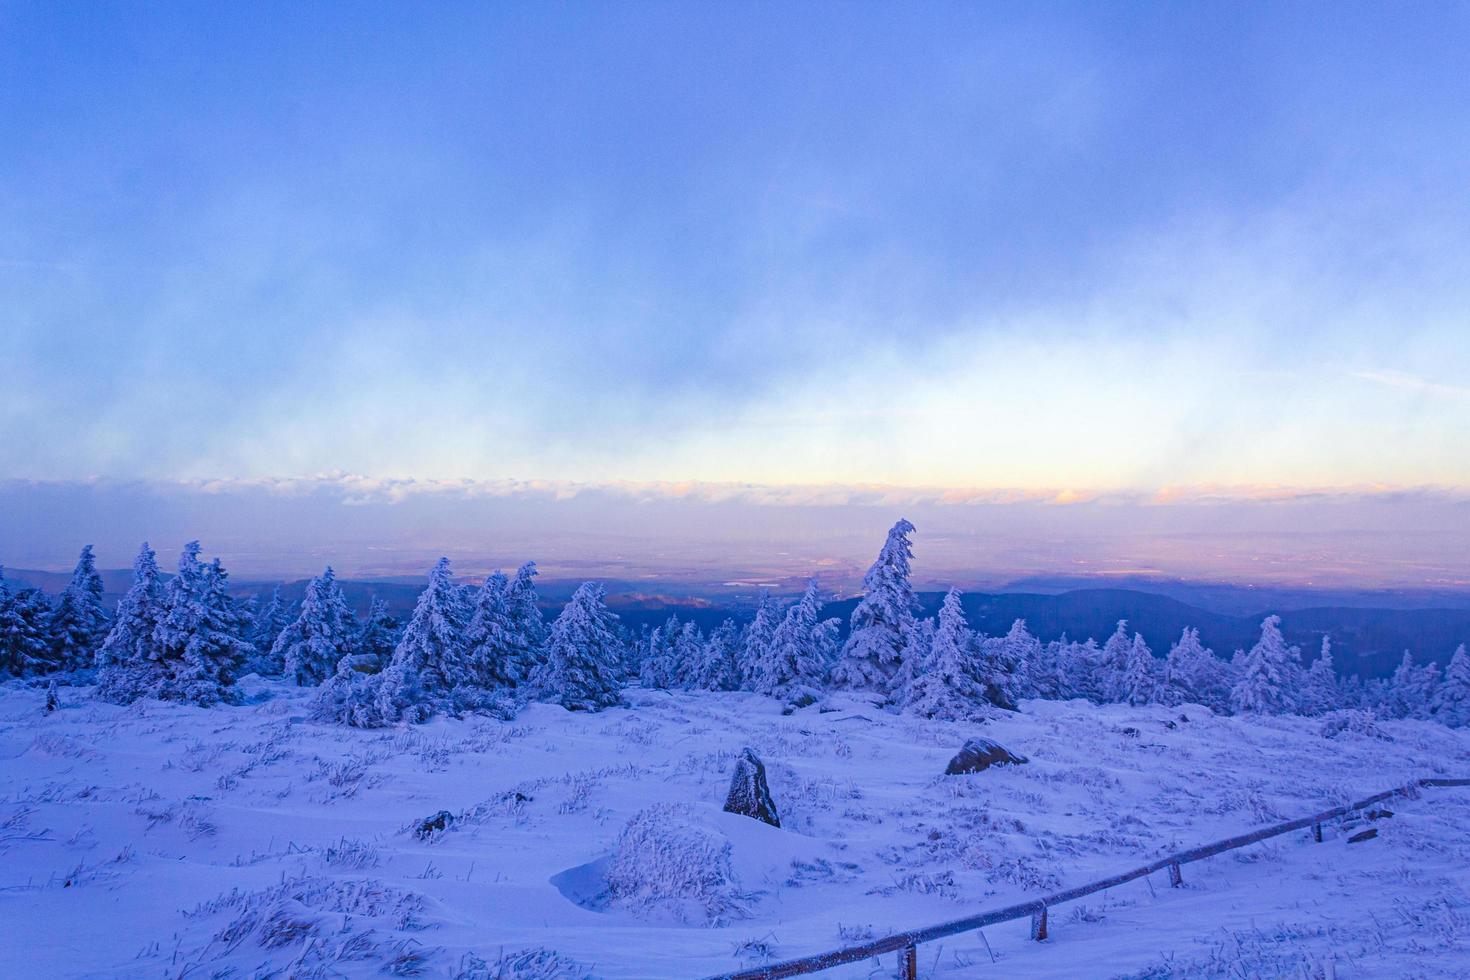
{"x":794,"y":665}
{"x":1452,"y":700}
{"x":718,"y":667}
{"x":325,"y":631}
{"x":883,"y":625}
{"x":1268,"y":674}
{"x":25,"y":646}
{"x":583,"y":655}
{"x":755,"y":645}
{"x":1192,"y":673}
{"x":271,"y":618}
{"x":950,"y":686}
{"x":79,"y":623}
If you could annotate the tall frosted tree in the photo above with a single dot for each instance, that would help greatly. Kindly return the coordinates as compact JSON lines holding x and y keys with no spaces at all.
{"x":659,"y":668}
{"x":583,"y":658}
{"x":1140,"y":683}
{"x":128,"y":652}
{"x":270,"y":620}
{"x":1112,"y":663}
{"x":883,"y":624}
{"x":1004,"y":664}
{"x":1320,"y":692}
{"x":79,"y":623}
{"x":950,"y":685}
{"x":25,"y":643}
{"x":493,"y":636}
{"x":800,"y":653}
{"x":718,"y":668}
{"x":756,"y":644}
{"x":1412,"y":689}
{"x":1452,"y":700}
{"x":1264,"y":685}
{"x":431,"y":659}
{"x":1192,"y":673}
{"x":688,"y":656}
{"x":528,"y":629}
{"x":375,"y":642}
{"x":325,"y":631}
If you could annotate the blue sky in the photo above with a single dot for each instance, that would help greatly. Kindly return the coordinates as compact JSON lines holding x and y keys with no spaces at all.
{"x":1055,"y":247}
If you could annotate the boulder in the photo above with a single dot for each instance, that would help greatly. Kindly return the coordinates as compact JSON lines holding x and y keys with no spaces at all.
{"x":749,"y":793}
{"x":980,"y":754}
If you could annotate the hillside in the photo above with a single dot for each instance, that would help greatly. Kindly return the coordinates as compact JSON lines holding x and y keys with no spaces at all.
{"x":248,"y":838}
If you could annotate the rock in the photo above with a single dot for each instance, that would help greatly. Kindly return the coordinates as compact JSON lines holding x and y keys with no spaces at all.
{"x":1130,"y":732}
{"x":1368,"y":834}
{"x":1379,"y":814}
{"x":429,"y":826}
{"x":1171,"y":725}
{"x":749,"y":793}
{"x":980,"y":754}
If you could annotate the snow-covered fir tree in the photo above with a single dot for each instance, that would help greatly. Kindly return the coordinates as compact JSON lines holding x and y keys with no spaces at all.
{"x":1452,"y":701}
{"x":583,"y":659}
{"x":375,"y":641}
{"x":1412,"y":689}
{"x":430,"y":662}
{"x":1320,"y":692}
{"x":1264,"y":685}
{"x":1193,"y":674}
{"x":269,"y":621}
{"x":659,"y":668}
{"x":718,"y":668}
{"x":25,"y":642}
{"x":324,"y":632}
{"x":197,"y":643}
{"x":127,"y":654}
{"x":527,"y":628}
{"x":1140,"y":680}
{"x":950,"y":685}
{"x":883,"y":625}
{"x":1106,"y":682}
{"x":1004,"y":665}
{"x":801,"y":652}
{"x":492,"y":637}
{"x":688,"y":656}
{"x":79,"y":623}
{"x":756,"y":644}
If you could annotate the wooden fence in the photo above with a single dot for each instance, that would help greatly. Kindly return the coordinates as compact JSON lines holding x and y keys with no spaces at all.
{"x":907,"y":943}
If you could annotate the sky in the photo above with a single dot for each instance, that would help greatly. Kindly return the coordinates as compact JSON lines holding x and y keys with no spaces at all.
{"x":1057,"y":251}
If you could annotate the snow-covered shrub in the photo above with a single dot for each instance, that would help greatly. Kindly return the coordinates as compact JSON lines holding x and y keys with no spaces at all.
{"x":665,"y":861}
{"x":523,"y":964}
{"x":1352,"y":721}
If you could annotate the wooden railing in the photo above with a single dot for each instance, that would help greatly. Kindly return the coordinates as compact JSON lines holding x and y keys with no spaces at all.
{"x":907,"y":943}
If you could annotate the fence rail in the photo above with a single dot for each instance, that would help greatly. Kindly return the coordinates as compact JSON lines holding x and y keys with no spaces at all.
{"x":907,"y":943}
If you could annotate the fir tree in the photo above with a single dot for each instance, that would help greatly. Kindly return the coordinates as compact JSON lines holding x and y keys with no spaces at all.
{"x":79,"y":623}
{"x":25,"y":644}
{"x":199,"y":641}
{"x":1320,"y":690}
{"x":375,"y":642}
{"x":266,"y":627}
{"x":1112,"y":663}
{"x":127,"y":659}
{"x":718,"y":668}
{"x":325,"y":632}
{"x":1265,"y":678}
{"x":495,"y":647}
{"x":1413,"y":689}
{"x":582,"y":655}
{"x":800,"y":653}
{"x":1139,"y":685}
{"x":950,"y":685}
{"x":1003,"y":665}
{"x":756,"y":644}
{"x":1452,"y":700}
{"x":659,"y":667}
{"x":528,"y":629}
{"x":688,"y":648}
{"x":883,"y":622}
{"x":430,"y":660}
{"x":1193,"y":674}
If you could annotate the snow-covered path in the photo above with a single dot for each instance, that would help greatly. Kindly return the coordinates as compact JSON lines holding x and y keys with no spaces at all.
{"x":162,"y":840}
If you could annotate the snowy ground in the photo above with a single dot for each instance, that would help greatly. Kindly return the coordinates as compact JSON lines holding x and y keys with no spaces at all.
{"x":159,"y":840}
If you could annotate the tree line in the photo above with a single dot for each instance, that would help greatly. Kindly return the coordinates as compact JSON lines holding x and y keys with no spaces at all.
{"x":486,"y":647}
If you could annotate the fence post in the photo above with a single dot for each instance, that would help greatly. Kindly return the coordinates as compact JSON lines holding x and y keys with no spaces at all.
{"x":1038,"y":925}
{"x":1317,"y":832}
{"x":911,"y":962}
{"x":1176,"y":877}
